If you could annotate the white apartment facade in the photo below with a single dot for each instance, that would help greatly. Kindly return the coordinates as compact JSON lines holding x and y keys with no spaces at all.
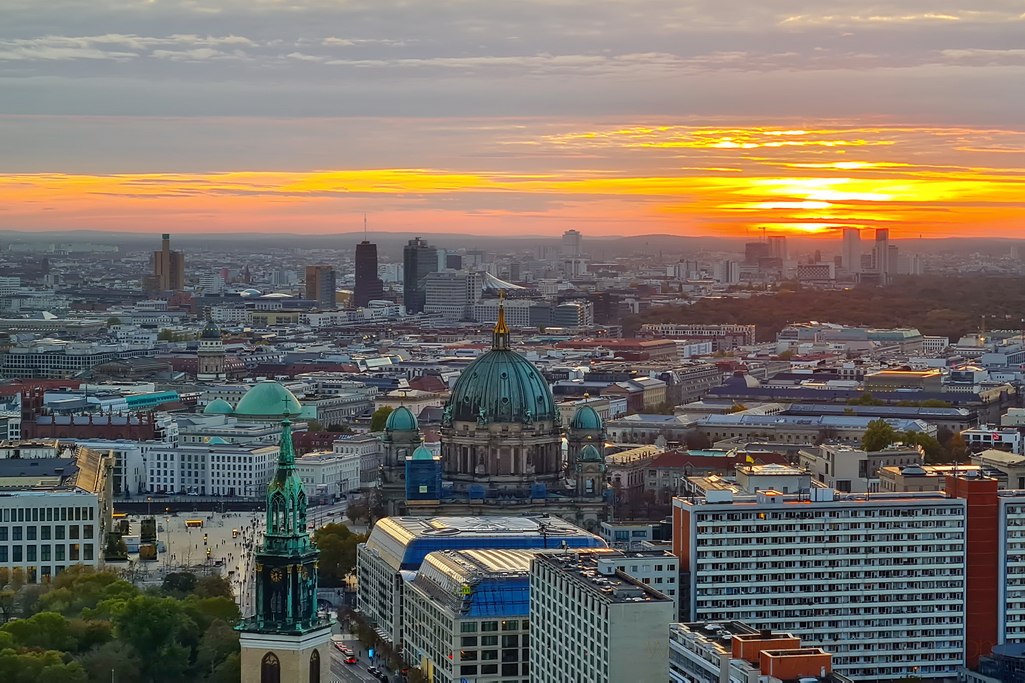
{"x":878,"y":581}
{"x":42,"y":532}
{"x":587,"y":625}
{"x":234,"y":471}
{"x":328,"y":473}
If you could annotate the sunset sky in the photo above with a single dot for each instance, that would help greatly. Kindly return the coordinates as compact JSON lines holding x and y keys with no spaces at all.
{"x":614,"y":117}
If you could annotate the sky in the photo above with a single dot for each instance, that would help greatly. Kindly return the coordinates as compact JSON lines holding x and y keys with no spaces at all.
{"x":525,"y":117}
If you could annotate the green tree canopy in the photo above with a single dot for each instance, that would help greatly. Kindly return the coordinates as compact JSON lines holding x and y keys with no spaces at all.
{"x":878,"y":436}
{"x":337,"y":545}
{"x":379,"y":418}
{"x":162,"y":634}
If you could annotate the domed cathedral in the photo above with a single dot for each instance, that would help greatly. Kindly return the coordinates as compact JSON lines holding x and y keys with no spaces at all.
{"x":502,"y":444}
{"x":283,"y":637}
{"x":210,"y":357}
{"x":501,"y":426}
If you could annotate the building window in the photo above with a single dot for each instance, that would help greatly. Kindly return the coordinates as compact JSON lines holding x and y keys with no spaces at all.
{"x":270,"y":669}
{"x":315,"y":667}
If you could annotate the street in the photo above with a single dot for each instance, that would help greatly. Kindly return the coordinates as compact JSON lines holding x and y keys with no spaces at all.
{"x":342,"y":672}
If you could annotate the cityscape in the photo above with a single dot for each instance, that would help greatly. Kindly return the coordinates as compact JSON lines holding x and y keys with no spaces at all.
{"x":556,"y":341}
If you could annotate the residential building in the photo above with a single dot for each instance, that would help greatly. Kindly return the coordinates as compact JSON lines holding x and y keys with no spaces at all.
{"x":826,"y":565}
{"x":851,"y":250}
{"x":326,"y":475}
{"x":725,"y":337}
{"x":712,"y":652}
{"x":595,"y":623}
{"x":572,"y":242}
{"x":847,"y":429}
{"x":852,"y":470}
{"x":917,"y":478}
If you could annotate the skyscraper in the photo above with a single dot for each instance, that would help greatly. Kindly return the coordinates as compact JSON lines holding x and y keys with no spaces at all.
{"x":368,"y":284}
{"x":168,"y":268}
{"x":418,"y":259}
{"x":851,"y":250}
{"x":881,"y":255}
{"x":320,"y":285}
{"x":778,"y":247}
{"x":571,"y":241}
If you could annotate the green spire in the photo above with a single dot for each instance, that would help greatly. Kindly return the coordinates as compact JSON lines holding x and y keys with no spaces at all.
{"x":286,"y":497}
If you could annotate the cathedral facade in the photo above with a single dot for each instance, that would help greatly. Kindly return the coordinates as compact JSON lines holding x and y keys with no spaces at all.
{"x":504,"y":449}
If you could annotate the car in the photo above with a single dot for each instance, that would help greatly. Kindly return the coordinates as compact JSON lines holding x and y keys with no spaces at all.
{"x":373,"y":670}
{"x":351,"y":660}
{"x":341,"y":648}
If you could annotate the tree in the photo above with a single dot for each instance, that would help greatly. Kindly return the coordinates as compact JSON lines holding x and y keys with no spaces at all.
{"x":39,"y":667}
{"x":696,"y":440}
{"x":228,"y":671}
{"x":379,"y":418}
{"x":219,"y":641}
{"x":958,"y":448}
{"x":878,"y":436}
{"x":115,"y":658}
{"x":935,"y":453}
{"x":179,"y":584}
{"x":213,"y":586}
{"x":339,"y":428}
{"x":162,"y":635}
{"x":358,"y":510}
{"x":113,"y":320}
{"x":866,"y":399}
{"x":337,"y":545}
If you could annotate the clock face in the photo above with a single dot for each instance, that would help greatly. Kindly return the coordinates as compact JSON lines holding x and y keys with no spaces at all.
{"x":276,"y":575}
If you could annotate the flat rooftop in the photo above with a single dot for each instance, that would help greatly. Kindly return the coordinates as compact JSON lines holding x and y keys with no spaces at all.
{"x":614,"y":587}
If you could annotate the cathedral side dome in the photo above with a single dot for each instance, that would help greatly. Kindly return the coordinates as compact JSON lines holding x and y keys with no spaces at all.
{"x":586,"y":417}
{"x":400,"y":420}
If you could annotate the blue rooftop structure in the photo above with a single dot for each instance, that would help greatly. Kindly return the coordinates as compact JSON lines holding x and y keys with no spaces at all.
{"x":404,"y":542}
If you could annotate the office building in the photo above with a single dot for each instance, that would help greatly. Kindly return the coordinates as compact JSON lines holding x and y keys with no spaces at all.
{"x":778,"y":247}
{"x":595,"y":623}
{"x":398,"y":545}
{"x":881,"y":255}
{"x":572,"y":242}
{"x":467,"y":616}
{"x":452,"y":293}
{"x":710,"y":652}
{"x":368,"y":285}
{"x":878,"y":580}
{"x":168,"y":268}
{"x":850,"y":257}
{"x":212,"y":469}
{"x":320,"y":285}
{"x":418,"y":259}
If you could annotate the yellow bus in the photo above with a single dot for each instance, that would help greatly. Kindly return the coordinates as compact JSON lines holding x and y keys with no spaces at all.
{"x":120,"y":515}
{"x":194,"y":523}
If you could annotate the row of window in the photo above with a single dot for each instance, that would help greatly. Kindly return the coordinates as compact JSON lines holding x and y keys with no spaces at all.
{"x":45,"y":532}
{"x":71,"y":552}
{"x":48,"y":514}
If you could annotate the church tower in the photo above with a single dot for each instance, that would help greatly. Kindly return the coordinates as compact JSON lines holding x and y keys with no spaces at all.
{"x":210,"y":364}
{"x":285,"y":640}
{"x":401,"y":438}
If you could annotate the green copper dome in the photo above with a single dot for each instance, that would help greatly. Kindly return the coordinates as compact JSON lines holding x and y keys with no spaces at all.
{"x":422,"y":453}
{"x":218,"y":406}
{"x":269,"y":400}
{"x":590,"y":454}
{"x":400,"y":420}
{"x":501,"y":386}
{"x":586,"y":417}
{"x":211,"y":331}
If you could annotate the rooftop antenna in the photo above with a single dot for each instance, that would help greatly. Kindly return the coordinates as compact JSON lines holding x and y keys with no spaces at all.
{"x":365,"y":226}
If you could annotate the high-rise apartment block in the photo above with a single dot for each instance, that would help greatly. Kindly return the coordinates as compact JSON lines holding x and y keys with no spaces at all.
{"x":778,"y":247}
{"x":881,"y":255}
{"x":877,"y":580}
{"x":368,"y":285}
{"x":320,"y":285}
{"x":595,"y":623}
{"x":418,"y":259}
{"x":168,"y":268}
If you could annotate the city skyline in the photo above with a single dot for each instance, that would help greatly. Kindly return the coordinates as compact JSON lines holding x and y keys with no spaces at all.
{"x":611,"y":118}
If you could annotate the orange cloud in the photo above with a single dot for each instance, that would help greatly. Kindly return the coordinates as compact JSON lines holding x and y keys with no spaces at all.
{"x":667,"y":178}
